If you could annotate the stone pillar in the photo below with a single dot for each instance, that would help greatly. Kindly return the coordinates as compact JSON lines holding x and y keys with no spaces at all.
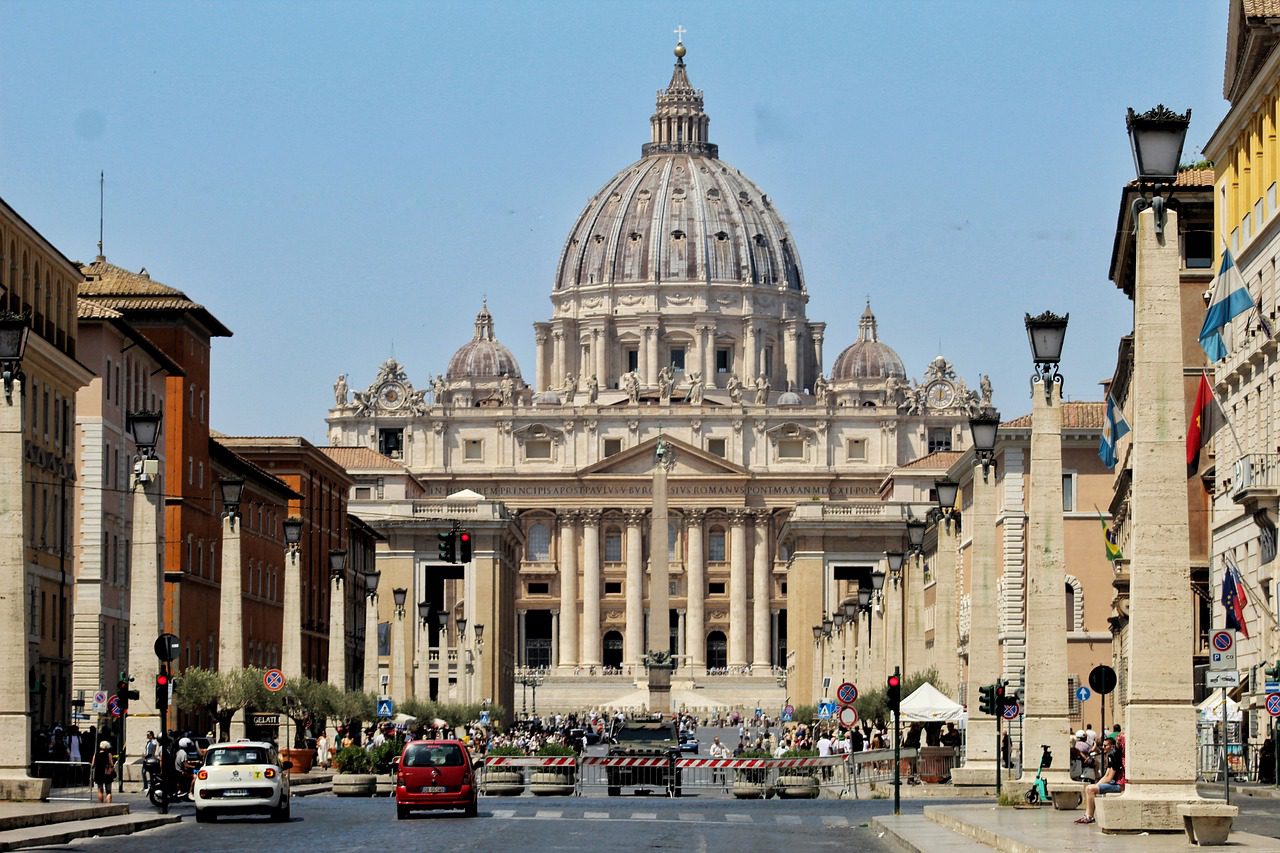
{"x":555,"y":638}
{"x":338,"y":635}
{"x":791,"y":355}
{"x":1045,"y":719}
{"x":708,"y":337}
{"x":231,"y":600}
{"x":15,"y":704}
{"x":591,"y":588}
{"x":946,"y":612}
{"x":984,"y":641}
{"x":738,"y":587}
{"x":633,"y":650}
{"x":146,"y":602}
{"x":291,"y":642}
{"x":696,"y":593}
{"x":522,"y":627}
{"x":761,"y":571}
{"x":914,"y":580}
{"x":651,"y":340}
{"x":568,"y":590}
{"x":817,"y":354}
{"x":681,"y":645}
{"x":371,"y":682}
{"x":601,"y":339}
{"x":540,"y":361}
{"x":659,"y":567}
{"x":1160,"y":719}
{"x":642,"y":357}
{"x":558,"y":364}
{"x":422,"y":661}
{"x":399,"y":689}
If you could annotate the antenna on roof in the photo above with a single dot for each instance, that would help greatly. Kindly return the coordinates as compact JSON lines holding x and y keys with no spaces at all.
{"x":102,"y":192}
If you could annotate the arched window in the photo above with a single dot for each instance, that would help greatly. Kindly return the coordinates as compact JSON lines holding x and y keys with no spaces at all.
{"x":715,"y":545}
{"x":717,"y":651}
{"x":613,"y":545}
{"x":539,"y":542}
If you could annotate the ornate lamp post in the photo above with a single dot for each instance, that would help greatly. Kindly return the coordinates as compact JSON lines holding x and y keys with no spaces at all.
{"x":146,"y":587}
{"x":371,"y":683}
{"x":14,"y":329}
{"x":400,"y":639}
{"x":291,"y":643}
{"x":231,"y":615}
{"x":337,"y":619}
{"x":422,"y":664}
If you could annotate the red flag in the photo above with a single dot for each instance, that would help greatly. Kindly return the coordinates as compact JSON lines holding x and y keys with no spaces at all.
{"x":1203,"y":424}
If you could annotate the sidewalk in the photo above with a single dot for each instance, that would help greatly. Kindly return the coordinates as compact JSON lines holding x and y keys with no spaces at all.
{"x":40,"y":824}
{"x":1030,"y":830}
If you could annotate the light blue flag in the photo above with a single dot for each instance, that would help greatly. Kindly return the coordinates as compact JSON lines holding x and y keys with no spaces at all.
{"x":1230,"y":298}
{"x":1113,"y":429}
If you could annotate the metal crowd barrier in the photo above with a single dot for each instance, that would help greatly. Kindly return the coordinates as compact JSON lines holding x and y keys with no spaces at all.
{"x":70,"y":780}
{"x":876,"y":765}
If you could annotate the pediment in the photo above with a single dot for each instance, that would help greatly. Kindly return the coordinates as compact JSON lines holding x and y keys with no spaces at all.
{"x":690,"y":461}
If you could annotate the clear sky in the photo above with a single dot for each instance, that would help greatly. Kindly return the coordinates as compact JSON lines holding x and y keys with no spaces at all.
{"x":341,"y":182}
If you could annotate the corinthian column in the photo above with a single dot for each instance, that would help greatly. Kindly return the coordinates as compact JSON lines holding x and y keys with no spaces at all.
{"x":761,"y":567}
{"x":591,"y":588}
{"x":633,"y":651}
{"x":696,"y":620}
{"x":568,"y":589}
{"x":738,"y":587}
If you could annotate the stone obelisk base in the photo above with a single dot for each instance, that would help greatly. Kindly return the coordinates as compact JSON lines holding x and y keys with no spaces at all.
{"x":659,"y":690}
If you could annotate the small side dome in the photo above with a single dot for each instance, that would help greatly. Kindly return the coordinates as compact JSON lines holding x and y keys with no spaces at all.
{"x":483,"y":357}
{"x":789,"y":398}
{"x":867,"y":359}
{"x":547,"y":398}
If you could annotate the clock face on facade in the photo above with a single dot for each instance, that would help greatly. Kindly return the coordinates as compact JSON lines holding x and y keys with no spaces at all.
{"x":392,"y":395}
{"x":940,"y":395}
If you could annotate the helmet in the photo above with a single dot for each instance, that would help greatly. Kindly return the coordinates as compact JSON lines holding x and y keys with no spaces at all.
{"x":185,"y":743}
{"x":1079,"y":734}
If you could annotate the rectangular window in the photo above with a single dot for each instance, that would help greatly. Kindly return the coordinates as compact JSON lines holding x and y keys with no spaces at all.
{"x":613,"y":547}
{"x":1069,"y":492}
{"x":633,"y":360}
{"x":715,"y":446}
{"x":364,"y":493}
{"x":391,"y":442}
{"x":715,"y":588}
{"x":855,"y":450}
{"x":1197,"y":249}
{"x":538,"y":449}
{"x":939,"y":439}
{"x":613,"y":587}
{"x":677,"y":358}
{"x":612,"y":446}
{"x":539,"y":588}
{"x":724,"y":359}
{"x":473,"y":450}
{"x":791,"y":448}
{"x":768,"y":362}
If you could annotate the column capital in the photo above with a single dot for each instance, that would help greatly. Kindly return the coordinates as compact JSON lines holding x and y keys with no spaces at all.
{"x":568,"y":517}
{"x":635,"y":517}
{"x":589,"y":517}
{"x":694,"y":517}
{"x":739,"y":516}
{"x":762,"y":515}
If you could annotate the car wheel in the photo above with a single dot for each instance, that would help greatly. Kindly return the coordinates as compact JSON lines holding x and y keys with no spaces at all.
{"x":473,"y":809}
{"x":205,"y":816}
{"x":402,"y":812}
{"x":281,"y":814}
{"x":615,"y":791}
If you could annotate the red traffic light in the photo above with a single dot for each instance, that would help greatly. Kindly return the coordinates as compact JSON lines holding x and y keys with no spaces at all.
{"x":895,"y":681}
{"x":162,"y":680}
{"x":466,"y":537}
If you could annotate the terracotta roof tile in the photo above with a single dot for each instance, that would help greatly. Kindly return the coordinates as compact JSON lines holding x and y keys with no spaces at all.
{"x":124,"y":290}
{"x":1261,"y":8}
{"x":1085,"y":415}
{"x":86,"y":310}
{"x":359,"y":458}
{"x":939,"y":460}
{"x":1191,"y":177}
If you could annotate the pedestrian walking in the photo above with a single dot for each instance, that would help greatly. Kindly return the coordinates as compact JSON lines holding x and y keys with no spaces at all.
{"x":104,"y":771}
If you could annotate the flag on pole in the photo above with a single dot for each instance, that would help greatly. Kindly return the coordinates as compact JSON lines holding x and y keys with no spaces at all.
{"x":1263,"y":323}
{"x":1206,"y":417}
{"x":1230,"y":298}
{"x":1113,"y":429}
{"x":1233,"y":596}
{"x":1109,"y":539}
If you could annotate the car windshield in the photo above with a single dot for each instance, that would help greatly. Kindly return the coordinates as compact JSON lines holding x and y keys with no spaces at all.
{"x":650,"y":732}
{"x":237,"y":755}
{"x":433,"y":755}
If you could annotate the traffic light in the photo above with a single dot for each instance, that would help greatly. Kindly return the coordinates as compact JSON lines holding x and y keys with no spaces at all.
{"x":123,"y":693}
{"x":162,"y":691}
{"x":448,"y":546}
{"x":464,"y":546}
{"x":1001,"y":701}
{"x":987,"y":699}
{"x":893,"y":692}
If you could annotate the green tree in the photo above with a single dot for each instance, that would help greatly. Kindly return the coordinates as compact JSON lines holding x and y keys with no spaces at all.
{"x":221,"y":694}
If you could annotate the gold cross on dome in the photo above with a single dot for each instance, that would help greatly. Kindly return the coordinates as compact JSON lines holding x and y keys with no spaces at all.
{"x":679,"y":31}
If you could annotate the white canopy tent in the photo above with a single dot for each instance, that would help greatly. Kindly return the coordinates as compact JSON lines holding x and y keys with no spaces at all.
{"x":928,"y":705}
{"x":1210,"y":709}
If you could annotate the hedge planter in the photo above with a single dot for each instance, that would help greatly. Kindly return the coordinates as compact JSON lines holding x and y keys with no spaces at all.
{"x":354,"y":784}
{"x":751,"y":784}
{"x":797,"y":787}
{"x":503,"y":783}
{"x":385,"y":784}
{"x":553,"y":782}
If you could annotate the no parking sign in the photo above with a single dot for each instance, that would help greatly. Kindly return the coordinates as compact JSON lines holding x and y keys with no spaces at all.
{"x":1273,"y":704}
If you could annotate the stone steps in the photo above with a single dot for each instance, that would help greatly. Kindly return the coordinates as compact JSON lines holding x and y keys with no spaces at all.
{"x":71,"y":829}
{"x":918,"y":834}
{"x":25,"y":815}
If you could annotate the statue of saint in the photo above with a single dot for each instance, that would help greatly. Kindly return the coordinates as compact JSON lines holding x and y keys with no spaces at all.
{"x":437,"y":390}
{"x":821,"y":391}
{"x":570,"y":387}
{"x":984,"y":385}
{"x":666,"y":382}
{"x":734,"y":387}
{"x":506,"y":390}
{"x":340,"y":391}
{"x":695,"y":387}
{"x":632,"y":383}
{"x":593,"y":389}
{"x":762,"y":390}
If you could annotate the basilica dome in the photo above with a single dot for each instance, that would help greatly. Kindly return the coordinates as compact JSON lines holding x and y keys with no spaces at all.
{"x":679,"y":214}
{"x":483,"y":357}
{"x":867,"y":358}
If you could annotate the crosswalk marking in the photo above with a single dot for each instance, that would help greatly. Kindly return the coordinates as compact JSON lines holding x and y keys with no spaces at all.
{"x":549,"y":813}
{"x":596,"y":815}
{"x":832,"y":822}
{"x":738,"y":818}
{"x":644,"y":815}
{"x":789,"y":819}
{"x":694,"y":816}
{"x":504,"y":813}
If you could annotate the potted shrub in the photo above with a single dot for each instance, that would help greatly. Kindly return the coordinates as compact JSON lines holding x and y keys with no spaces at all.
{"x":752,"y":783}
{"x":355,"y":773}
{"x":384,"y":758}
{"x":502,"y":781}
{"x":554,"y":781}
{"x":798,"y":783}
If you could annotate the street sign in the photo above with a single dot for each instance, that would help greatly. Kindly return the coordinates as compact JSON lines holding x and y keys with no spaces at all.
{"x":759,"y":713}
{"x":1222,"y":651}
{"x":1221,"y":678}
{"x":99,"y":705}
{"x":273,"y":680}
{"x":848,"y":716}
{"x":847,"y":693}
{"x":113,"y":705}
{"x":1273,"y":704}
{"x":1273,"y":687}
{"x":1102,"y":679}
{"x":826,"y":709}
{"x":385,"y":707}
{"x":167,"y":647}
{"x":265,"y":719}
{"x":788,"y":711}
{"x":484,"y":718}
{"x":1083,"y":694}
{"x":1012,"y":710}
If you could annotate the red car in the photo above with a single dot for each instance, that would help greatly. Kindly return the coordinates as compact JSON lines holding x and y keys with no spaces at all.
{"x":435,"y":774}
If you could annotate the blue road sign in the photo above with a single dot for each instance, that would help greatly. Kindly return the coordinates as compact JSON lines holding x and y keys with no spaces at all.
{"x":1273,"y":686}
{"x":1012,"y":710}
{"x":826,"y":710}
{"x":484,"y":718}
{"x":386,"y":707}
{"x":787,"y":713}
{"x":1083,"y":694}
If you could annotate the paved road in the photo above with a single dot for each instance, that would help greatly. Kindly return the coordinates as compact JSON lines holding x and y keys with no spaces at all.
{"x":544,"y":823}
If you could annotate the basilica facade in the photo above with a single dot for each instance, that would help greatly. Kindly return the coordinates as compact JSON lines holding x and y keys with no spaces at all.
{"x":678,"y":313}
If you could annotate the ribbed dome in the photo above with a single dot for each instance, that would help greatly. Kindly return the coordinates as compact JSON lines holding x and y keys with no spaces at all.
{"x":484,"y":357}
{"x":867,"y":358}
{"x":680,"y":214}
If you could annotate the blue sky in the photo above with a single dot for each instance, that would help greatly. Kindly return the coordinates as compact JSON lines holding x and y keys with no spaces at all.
{"x":339,"y":182}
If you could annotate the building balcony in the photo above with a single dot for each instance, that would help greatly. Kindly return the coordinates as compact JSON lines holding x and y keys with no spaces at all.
{"x":1255,"y":482}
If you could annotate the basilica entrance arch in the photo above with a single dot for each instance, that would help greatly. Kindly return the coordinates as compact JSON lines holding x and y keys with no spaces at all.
{"x":717,"y":651}
{"x":612,"y":649}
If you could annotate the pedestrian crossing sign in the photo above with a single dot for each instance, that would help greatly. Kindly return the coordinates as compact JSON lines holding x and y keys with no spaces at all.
{"x":385,"y":707}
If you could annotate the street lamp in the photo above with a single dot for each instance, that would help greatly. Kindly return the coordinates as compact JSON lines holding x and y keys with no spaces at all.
{"x":1156,"y":138}
{"x":827,"y":624}
{"x":895,"y":560}
{"x":850,"y":609}
{"x":916,"y":528}
{"x":398,"y":595}
{"x":946,"y":491}
{"x":877,"y":579}
{"x":983,"y":427}
{"x":292,"y":533}
{"x":232,"y":488}
{"x":461,"y":622}
{"x":424,"y":612}
{"x":14,"y":329}
{"x":1046,"y":332}
{"x":144,"y":427}
{"x":337,"y":564}
{"x":371,"y":583}
{"x":817,"y":634}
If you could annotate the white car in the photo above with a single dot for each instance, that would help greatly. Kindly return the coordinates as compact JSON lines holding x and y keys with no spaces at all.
{"x":245,"y":777}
